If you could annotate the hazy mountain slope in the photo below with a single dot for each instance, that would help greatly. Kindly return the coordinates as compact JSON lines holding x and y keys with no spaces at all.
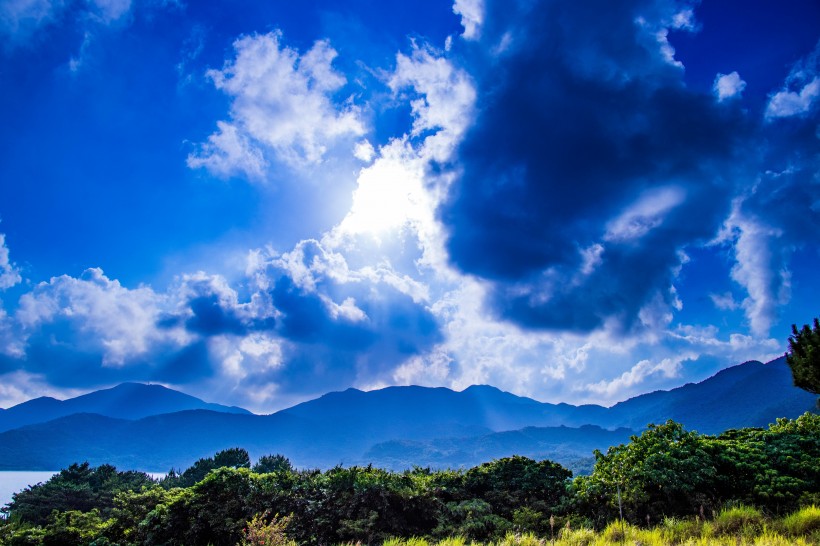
{"x":157,"y":443}
{"x":395,"y":427}
{"x":566,"y":445}
{"x":414,"y":410}
{"x":125,"y":401}
{"x":750,"y":394}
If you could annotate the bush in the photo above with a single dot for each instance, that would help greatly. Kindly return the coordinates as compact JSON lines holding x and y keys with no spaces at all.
{"x":804,"y":522}
{"x":261,"y":532}
{"x":738,"y":521}
{"x":679,"y":530}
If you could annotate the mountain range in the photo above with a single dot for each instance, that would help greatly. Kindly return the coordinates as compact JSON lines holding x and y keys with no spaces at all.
{"x":149,"y":427}
{"x":125,"y":401}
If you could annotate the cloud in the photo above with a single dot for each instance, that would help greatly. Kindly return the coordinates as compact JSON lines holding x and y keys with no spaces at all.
{"x":444,"y":102}
{"x":588,"y":159}
{"x":728,"y":86}
{"x":800,"y":91}
{"x":636,"y":375}
{"x":792,"y":103}
{"x":9,"y":273}
{"x":109,"y":11}
{"x":759,"y":268}
{"x":93,"y":313}
{"x":472,"y":15}
{"x":19,"y":19}
{"x":724,"y":302}
{"x":283,"y":107}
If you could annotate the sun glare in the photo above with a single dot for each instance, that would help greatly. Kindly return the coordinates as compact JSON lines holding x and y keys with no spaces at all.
{"x":389,"y":195}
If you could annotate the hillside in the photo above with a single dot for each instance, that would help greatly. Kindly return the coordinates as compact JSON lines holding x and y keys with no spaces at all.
{"x":125,"y":401}
{"x":396,"y":427}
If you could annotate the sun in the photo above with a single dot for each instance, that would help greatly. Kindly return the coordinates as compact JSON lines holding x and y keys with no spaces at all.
{"x":390,"y":194}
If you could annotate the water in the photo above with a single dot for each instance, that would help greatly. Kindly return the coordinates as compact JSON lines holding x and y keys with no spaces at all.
{"x":13,"y":481}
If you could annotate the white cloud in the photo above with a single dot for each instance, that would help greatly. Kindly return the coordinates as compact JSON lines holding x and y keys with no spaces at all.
{"x":727,"y":86}
{"x":347,"y":310}
{"x":228,"y":152}
{"x":282,"y":103}
{"x":800,"y":90}
{"x":472,"y":16}
{"x":787,"y":103}
{"x":20,"y":18}
{"x":432,"y":369}
{"x":758,"y":268}
{"x":19,"y":386}
{"x":364,"y":151}
{"x":122,"y":321}
{"x":724,"y":302}
{"x":9,"y":273}
{"x":240,"y":356}
{"x":645,"y":214}
{"x":446,"y":94}
{"x":640,"y":372}
{"x":109,"y":11}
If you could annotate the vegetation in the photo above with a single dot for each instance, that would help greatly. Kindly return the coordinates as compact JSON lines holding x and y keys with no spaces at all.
{"x":804,"y":357}
{"x":673,"y":486}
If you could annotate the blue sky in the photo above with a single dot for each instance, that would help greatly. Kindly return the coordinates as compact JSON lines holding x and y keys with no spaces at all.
{"x":259,"y":202}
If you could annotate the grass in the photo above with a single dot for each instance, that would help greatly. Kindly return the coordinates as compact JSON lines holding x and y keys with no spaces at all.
{"x":803,"y":523}
{"x":735,"y":526}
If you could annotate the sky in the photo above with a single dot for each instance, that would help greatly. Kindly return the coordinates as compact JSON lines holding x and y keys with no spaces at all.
{"x":260,"y":202}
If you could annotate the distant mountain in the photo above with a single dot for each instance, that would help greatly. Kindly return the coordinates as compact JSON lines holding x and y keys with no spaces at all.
{"x":570,"y":446}
{"x":176,"y":440}
{"x":396,"y":427}
{"x":748,"y":395}
{"x":125,"y":401}
{"x":414,"y":410}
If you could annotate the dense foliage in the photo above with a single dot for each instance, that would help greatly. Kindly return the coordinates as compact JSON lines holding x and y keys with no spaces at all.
{"x":804,"y":357}
{"x":666,"y":472}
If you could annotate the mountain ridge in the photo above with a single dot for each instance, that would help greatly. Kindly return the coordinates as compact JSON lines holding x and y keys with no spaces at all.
{"x":405,"y":426}
{"x":126,"y":400}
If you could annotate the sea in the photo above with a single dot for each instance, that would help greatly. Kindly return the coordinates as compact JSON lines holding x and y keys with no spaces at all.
{"x":12,"y":481}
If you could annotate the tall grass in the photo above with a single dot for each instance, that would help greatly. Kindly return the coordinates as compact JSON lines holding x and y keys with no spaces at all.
{"x":736,"y":526}
{"x":803,"y":523}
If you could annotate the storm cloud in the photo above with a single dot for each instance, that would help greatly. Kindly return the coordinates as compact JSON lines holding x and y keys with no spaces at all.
{"x":590,"y":166}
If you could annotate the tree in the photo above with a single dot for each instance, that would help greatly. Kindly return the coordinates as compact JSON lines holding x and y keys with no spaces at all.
{"x":272,"y":463}
{"x":804,"y":357}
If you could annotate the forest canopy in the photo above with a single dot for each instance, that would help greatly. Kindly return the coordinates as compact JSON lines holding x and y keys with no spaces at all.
{"x":665,"y":472}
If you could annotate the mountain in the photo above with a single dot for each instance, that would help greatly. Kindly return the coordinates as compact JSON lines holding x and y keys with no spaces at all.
{"x":176,"y":440}
{"x":414,"y":410}
{"x":396,"y":427}
{"x":752,"y":394}
{"x":570,"y":446}
{"x":125,"y":401}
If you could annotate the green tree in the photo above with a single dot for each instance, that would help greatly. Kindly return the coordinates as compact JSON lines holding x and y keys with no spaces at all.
{"x":272,"y":463}
{"x":229,"y":458}
{"x":666,"y":471}
{"x":78,"y":487}
{"x":804,"y":357}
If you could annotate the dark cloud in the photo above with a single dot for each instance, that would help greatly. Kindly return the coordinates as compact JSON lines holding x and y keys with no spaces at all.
{"x":210,"y":318}
{"x":307,"y":319}
{"x":590,"y":163}
{"x":187,"y":365}
{"x":326,"y":349}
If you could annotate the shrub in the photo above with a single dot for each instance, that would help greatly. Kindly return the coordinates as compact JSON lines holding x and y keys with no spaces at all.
{"x":583,"y":536}
{"x":804,"y":522}
{"x":739,"y":520}
{"x":260,"y":532}
{"x":679,"y":530}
